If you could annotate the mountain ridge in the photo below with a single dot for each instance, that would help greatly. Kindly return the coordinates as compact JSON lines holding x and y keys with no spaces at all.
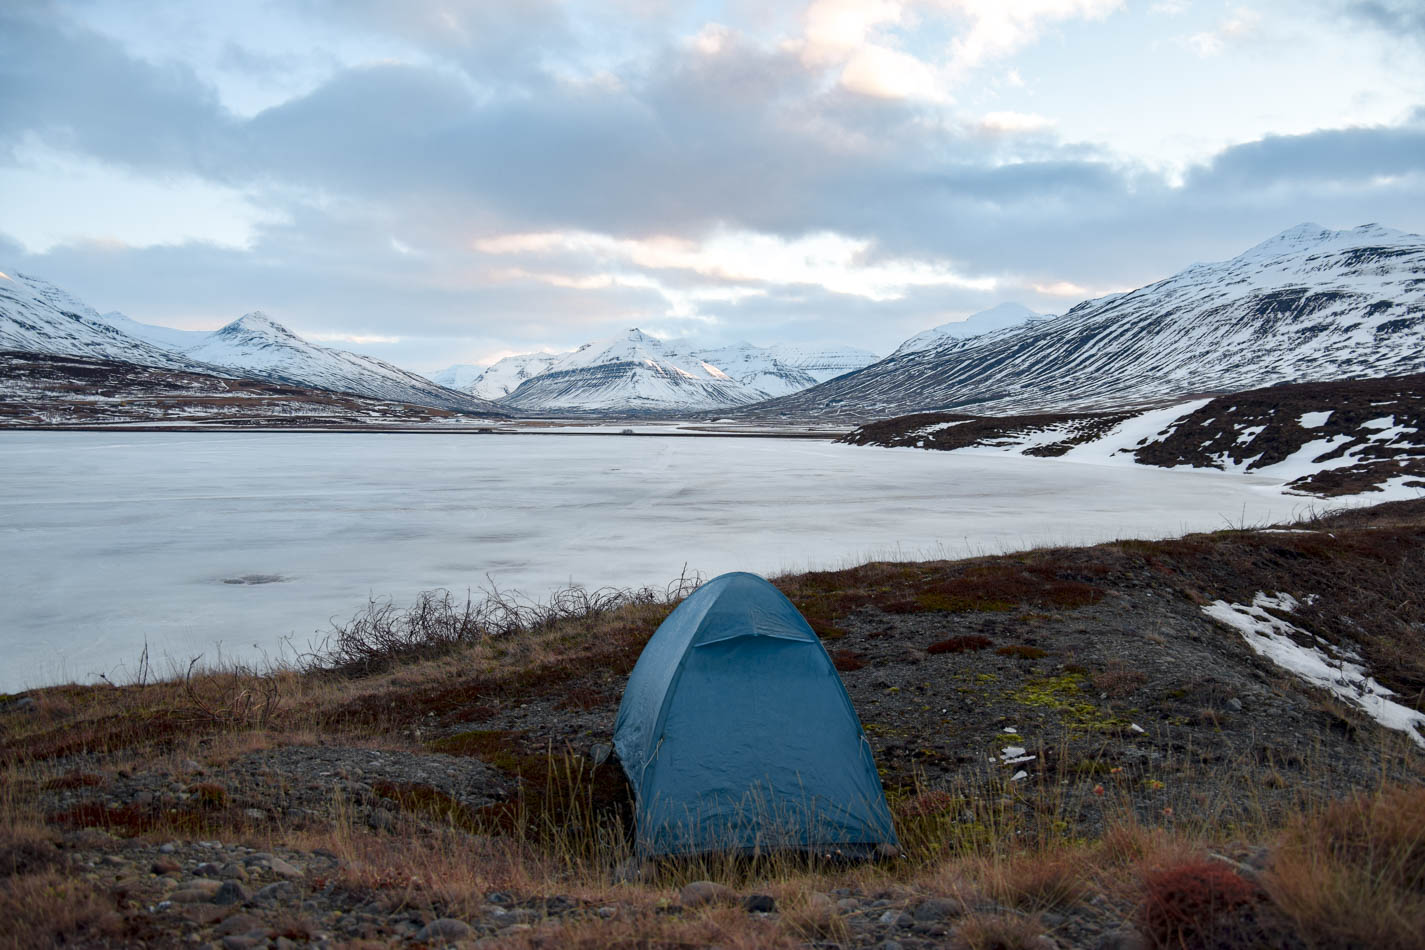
{"x":1307,"y":304}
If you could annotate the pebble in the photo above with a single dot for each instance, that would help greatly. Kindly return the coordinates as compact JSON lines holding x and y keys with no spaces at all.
{"x":699,"y":893}
{"x":240,"y":924}
{"x":935,"y":909}
{"x":1124,"y":938}
{"x":890,"y":918}
{"x":231,"y":892}
{"x":759,"y":903}
{"x":195,"y":891}
{"x":445,"y":928}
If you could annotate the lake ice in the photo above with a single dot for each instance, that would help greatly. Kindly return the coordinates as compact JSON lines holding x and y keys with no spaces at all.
{"x":224,"y":544}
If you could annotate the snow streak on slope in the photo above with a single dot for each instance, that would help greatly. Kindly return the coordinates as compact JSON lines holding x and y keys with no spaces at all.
{"x":1001,"y":317}
{"x":458,"y":376}
{"x":1308,"y":304}
{"x":633,"y":371}
{"x":505,"y":376}
{"x":1339,"y":672}
{"x":38,"y":317}
{"x":166,"y":337}
{"x":258,"y":346}
{"x":757,"y":368}
{"x":822,"y":362}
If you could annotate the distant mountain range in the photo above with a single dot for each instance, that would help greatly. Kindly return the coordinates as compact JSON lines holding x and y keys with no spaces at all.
{"x":1308,"y":304}
{"x":37,"y":317}
{"x":637,"y":372}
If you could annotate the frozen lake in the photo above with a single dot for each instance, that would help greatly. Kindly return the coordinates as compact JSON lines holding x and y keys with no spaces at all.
{"x":111,"y":540}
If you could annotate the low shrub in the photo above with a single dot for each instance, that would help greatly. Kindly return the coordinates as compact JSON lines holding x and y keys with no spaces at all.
{"x":1021,"y":652}
{"x":961,"y":644}
{"x":1193,"y":904}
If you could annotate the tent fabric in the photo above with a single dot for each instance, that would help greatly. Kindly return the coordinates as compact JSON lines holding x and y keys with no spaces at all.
{"x":737,"y":734}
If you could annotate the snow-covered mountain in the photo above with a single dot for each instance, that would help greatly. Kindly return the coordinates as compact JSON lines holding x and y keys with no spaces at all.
{"x":822,"y":362}
{"x":458,"y":376}
{"x":38,"y":317}
{"x":257,"y":346}
{"x":629,"y":372}
{"x":166,"y":337}
{"x":758,"y":369}
{"x":504,"y":376}
{"x":1001,"y":317}
{"x":1308,"y":304}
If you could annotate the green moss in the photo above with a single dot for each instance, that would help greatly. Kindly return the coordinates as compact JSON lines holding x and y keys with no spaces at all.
{"x":1064,"y":694}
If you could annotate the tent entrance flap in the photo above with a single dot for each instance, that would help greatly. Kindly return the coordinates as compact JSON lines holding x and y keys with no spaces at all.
{"x":748,"y":742}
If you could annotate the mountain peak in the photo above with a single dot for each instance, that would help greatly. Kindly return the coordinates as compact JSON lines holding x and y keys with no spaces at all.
{"x":260,"y":324}
{"x":1312,"y":235}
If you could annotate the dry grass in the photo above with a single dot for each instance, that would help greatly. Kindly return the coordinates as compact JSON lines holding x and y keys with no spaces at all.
{"x":1354,"y":875}
{"x":50,"y":909}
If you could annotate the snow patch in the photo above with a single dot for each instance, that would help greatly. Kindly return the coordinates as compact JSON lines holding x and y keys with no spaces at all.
{"x":1314,"y":420}
{"x":1329,"y":668}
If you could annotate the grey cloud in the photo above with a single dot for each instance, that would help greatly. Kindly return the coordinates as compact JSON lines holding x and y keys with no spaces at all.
{"x":1335,"y":155}
{"x":1397,"y":17}
{"x":77,"y":90}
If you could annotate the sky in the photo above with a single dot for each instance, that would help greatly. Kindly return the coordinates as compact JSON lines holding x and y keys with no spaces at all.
{"x":453,"y":182}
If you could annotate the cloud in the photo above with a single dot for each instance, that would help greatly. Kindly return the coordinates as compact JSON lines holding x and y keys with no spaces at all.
{"x":1397,"y":17}
{"x":514,"y":179}
{"x":1238,"y":25}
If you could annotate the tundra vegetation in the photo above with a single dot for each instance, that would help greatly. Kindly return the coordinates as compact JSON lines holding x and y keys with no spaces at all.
{"x":1075,"y":753}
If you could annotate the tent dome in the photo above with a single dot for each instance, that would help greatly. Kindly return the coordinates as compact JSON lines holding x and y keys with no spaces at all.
{"x":737,"y":734}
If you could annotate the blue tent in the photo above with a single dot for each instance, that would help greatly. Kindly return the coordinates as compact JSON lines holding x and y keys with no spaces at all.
{"x":737,"y":734}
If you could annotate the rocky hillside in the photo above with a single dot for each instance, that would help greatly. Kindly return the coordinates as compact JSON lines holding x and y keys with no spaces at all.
{"x":1309,"y":304}
{"x":1349,"y":437}
{"x":633,"y":372}
{"x":38,"y":389}
{"x":1071,"y":740}
{"x":37,"y":317}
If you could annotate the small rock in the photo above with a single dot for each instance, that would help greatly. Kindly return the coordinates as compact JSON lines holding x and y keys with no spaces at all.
{"x":607,"y":912}
{"x":887,"y":851}
{"x":256,"y":814}
{"x":232,"y":871}
{"x":847,"y":905}
{"x":381,"y":820}
{"x":165,"y":866}
{"x":195,"y":891}
{"x":444,"y":928}
{"x":188,"y":765}
{"x":934,"y":909}
{"x":230,"y":893}
{"x":280,"y":891}
{"x":239,"y":924}
{"x":704,"y":892}
{"x":891,"y":945}
{"x":1042,"y":942}
{"x":890,"y":918}
{"x":283,"y":868}
{"x":241,"y":942}
{"x":168,"y":848}
{"x":759,"y":903}
{"x":1124,"y":938}
{"x":1234,"y":704}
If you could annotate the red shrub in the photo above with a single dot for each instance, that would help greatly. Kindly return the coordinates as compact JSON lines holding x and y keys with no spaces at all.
{"x":961,"y":644}
{"x":1189,"y":904}
{"x":847,"y":660}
